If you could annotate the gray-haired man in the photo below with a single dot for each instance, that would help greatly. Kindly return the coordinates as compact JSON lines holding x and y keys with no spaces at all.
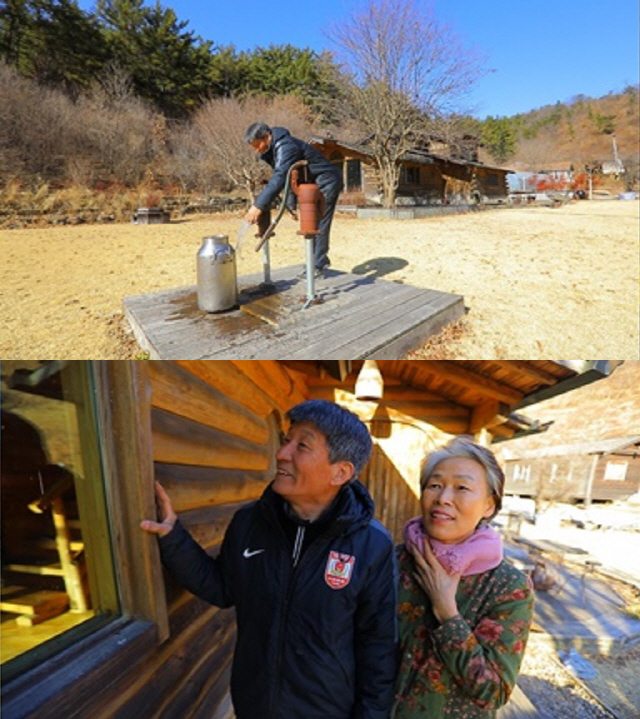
{"x":279,"y":149}
{"x":311,"y":575}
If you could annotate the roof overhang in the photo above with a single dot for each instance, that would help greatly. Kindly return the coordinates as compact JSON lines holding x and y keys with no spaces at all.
{"x":463,"y":396}
{"x":585,"y":372}
{"x":620,"y":446}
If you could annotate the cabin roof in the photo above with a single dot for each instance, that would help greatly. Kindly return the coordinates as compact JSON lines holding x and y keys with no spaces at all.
{"x":627,"y":445}
{"x":497,"y":387}
{"x":416,"y":155}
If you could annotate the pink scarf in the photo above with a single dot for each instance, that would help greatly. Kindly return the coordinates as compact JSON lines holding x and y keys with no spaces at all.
{"x":479,"y":553}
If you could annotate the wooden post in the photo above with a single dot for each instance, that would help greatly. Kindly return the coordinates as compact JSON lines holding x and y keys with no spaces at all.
{"x":71,"y":572}
{"x":128,"y":452}
{"x":592,"y":474}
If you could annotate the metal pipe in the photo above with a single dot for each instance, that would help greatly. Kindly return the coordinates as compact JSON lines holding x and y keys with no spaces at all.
{"x":266,"y":262}
{"x":311,"y":279}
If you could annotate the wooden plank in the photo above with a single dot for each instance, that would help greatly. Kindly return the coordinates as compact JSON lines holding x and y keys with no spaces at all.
{"x":47,"y":603}
{"x":45,"y":570}
{"x":128,"y":465}
{"x":331,"y":329}
{"x":314,"y":327}
{"x":333,"y":324}
{"x":235,"y":384}
{"x":208,"y":525}
{"x":390,"y":394}
{"x":275,"y":381}
{"x":528,"y":369}
{"x":408,"y":330}
{"x":170,"y":326}
{"x":207,"y":638}
{"x":177,"y":390}
{"x":69,"y":685}
{"x":488,"y":414}
{"x":177,"y":440}
{"x":191,"y":487}
{"x":478,"y":383}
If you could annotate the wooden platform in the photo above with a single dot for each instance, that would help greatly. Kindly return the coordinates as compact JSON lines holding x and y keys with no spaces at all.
{"x":353,"y":316}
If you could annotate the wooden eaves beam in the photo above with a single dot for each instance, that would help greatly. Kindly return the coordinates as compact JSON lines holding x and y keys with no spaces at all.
{"x":486,"y":386}
{"x":529,"y":370}
{"x":488,"y":415}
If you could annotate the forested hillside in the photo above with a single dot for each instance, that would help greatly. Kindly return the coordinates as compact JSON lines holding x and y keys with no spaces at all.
{"x":584,"y":130}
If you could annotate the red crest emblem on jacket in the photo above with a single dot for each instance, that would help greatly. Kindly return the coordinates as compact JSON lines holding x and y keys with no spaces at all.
{"x":339,"y":570}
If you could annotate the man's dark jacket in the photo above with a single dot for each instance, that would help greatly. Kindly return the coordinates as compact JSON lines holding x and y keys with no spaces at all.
{"x":316,"y":640}
{"x":282,"y":153}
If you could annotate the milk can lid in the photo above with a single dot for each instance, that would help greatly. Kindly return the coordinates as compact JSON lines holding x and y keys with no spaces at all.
{"x":218,"y":239}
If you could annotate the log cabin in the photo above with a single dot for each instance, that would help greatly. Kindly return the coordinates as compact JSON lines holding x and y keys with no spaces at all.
{"x":91,"y":624}
{"x":600,"y":470}
{"x":426,"y":177}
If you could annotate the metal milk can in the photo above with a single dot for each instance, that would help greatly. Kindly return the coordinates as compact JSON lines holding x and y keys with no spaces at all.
{"x":217,"y":281}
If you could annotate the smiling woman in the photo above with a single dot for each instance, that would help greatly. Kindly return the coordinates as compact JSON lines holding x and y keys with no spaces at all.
{"x":455,"y":499}
{"x":458,"y":593}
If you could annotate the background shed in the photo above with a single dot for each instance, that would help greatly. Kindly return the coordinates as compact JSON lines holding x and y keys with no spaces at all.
{"x":607,"y":469}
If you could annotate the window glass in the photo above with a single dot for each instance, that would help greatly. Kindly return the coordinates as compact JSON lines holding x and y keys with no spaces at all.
{"x":616,"y":471}
{"x":57,"y":571}
{"x":354,"y":175}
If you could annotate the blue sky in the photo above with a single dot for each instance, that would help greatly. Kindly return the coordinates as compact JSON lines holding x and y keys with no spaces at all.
{"x":539,"y":51}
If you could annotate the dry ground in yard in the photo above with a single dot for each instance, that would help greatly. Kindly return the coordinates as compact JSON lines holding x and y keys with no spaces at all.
{"x":538,"y":282}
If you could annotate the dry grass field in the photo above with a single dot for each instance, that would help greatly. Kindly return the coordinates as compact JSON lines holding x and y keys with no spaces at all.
{"x":538,"y":282}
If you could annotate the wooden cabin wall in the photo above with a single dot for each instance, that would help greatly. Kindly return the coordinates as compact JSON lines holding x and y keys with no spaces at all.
{"x":215,"y":431}
{"x":430,"y":188}
{"x":370,"y":181}
{"x":613,"y":489}
{"x":555,"y":479}
{"x":491,"y":183}
{"x":565,"y":478}
{"x":392,"y":476}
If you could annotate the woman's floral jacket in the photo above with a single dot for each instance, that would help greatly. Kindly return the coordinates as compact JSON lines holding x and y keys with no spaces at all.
{"x":466,"y":667}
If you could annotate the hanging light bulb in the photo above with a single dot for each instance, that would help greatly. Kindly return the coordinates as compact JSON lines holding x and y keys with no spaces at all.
{"x":369,"y":383}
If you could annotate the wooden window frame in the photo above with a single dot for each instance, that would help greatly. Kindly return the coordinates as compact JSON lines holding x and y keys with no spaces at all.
{"x":108,"y":647}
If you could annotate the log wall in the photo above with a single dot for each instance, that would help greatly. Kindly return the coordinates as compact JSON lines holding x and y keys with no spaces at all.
{"x":215,"y":432}
{"x":209,"y":431}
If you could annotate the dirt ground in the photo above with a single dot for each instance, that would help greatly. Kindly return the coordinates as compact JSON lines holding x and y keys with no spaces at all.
{"x":614,"y":541}
{"x":537,"y":281}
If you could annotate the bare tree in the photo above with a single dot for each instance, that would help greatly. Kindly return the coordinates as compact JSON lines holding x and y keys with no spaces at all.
{"x":408,"y":72}
{"x":218,"y":148}
{"x":115,"y":129}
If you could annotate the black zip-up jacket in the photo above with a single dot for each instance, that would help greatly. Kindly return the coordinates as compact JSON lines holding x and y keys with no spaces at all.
{"x":316,"y":635}
{"x":282,"y":153}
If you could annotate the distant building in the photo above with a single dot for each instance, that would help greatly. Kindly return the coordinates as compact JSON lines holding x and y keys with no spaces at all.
{"x":426,"y":178}
{"x":590,"y":449}
{"x":607,"y":469}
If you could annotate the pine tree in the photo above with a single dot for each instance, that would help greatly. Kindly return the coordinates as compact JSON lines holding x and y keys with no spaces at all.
{"x":167,"y":65}
{"x":52,"y":41}
{"x":499,"y":137}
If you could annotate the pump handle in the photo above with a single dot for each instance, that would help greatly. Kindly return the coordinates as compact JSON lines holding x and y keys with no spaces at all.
{"x":287,"y":185}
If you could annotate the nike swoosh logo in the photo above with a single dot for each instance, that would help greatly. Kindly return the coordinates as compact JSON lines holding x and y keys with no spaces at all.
{"x":247,"y":553}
